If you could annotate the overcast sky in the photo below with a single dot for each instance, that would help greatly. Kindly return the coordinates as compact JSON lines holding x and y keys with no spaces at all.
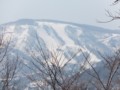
{"x":78,"y":11}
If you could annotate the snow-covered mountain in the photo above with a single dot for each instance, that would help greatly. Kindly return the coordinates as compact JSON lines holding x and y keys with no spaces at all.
{"x":61,"y":36}
{"x":28,"y":35}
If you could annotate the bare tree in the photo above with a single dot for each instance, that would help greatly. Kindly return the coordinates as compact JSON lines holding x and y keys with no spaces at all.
{"x":116,"y":1}
{"x":52,"y":70}
{"x":106,"y":77}
{"x":8,"y":65}
{"x":115,"y":16}
{"x":8,"y":74}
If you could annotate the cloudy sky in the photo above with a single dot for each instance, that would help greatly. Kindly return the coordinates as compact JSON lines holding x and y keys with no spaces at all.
{"x":78,"y":11}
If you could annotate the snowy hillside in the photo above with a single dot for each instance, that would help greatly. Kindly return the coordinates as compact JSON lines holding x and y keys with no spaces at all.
{"x":27,"y":36}
{"x":61,"y":36}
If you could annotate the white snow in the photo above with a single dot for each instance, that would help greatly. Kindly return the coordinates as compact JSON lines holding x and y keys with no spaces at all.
{"x":61,"y":36}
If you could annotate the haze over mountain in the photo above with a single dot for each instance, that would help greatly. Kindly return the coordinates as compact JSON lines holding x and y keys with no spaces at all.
{"x":66,"y":37}
{"x":63,"y":36}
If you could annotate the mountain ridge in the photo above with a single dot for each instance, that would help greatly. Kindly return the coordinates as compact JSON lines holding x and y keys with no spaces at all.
{"x":64,"y":39}
{"x":52,"y":21}
{"x":62,"y":36}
